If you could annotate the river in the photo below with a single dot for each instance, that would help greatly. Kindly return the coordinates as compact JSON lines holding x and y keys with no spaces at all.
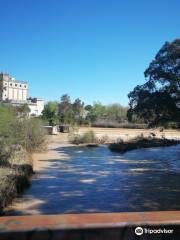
{"x":98,"y":180}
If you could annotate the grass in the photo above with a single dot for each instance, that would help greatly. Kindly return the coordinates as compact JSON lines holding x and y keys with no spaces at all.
{"x":89,"y":138}
{"x":141,"y":142}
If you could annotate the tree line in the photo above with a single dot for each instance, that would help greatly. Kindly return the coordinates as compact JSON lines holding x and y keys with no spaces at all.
{"x":67,"y":112}
{"x":155,"y":103}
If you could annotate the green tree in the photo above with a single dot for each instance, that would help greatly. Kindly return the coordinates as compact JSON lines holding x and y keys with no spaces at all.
{"x":116,"y":112}
{"x":14,"y":130}
{"x":95,"y":112}
{"x":158,"y":100}
{"x":88,"y":108}
{"x":50,"y":112}
{"x":99,"y":110}
{"x":105,"y":113}
{"x":77,"y":108}
{"x":65,"y":110}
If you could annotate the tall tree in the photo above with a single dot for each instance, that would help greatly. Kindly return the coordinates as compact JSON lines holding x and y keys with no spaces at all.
{"x":77,"y":108}
{"x":158,"y":100}
{"x":50,"y":113}
{"x":116,"y":112}
{"x":65,"y":111}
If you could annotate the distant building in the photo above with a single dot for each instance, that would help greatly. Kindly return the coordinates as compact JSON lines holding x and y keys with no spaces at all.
{"x":36,"y":106}
{"x":12,"y":89}
{"x":15,"y":92}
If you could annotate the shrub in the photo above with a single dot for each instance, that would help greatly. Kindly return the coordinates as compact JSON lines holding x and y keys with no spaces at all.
{"x":75,"y":139}
{"x":34,"y":138}
{"x":6,"y":151}
{"x":7,"y":120}
{"x":15,"y":131}
{"x":88,"y":137}
{"x":17,"y":137}
{"x":104,"y":139}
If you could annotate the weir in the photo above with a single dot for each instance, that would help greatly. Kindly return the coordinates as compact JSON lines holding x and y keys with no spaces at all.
{"x":94,"y":226}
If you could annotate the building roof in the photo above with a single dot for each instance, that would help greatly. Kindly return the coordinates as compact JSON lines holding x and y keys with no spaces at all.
{"x":11,"y":79}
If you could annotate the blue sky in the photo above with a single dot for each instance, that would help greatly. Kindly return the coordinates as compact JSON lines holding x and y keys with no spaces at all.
{"x":93,"y":49}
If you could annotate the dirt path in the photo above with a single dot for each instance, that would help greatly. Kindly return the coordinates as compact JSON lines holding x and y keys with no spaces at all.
{"x":41,"y":160}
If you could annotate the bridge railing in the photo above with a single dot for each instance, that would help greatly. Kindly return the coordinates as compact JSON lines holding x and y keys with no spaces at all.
{"x":101,"y":226}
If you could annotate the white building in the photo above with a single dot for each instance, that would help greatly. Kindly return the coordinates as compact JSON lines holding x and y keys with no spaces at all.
{"x":16,"y":93}
{"x":36,"y":106}
{"x":12,"y":89}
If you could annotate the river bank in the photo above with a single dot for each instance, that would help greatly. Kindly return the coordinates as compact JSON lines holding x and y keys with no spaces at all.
{"x":141,"y":142}
{"x":14,"y":177}
{"x":122,"y":140}
{"x":20,"y":136}
{"x":60,"y":151}
{"x":126,"y":134}
{"x":62,"y":140}
{"x":76,"y":179}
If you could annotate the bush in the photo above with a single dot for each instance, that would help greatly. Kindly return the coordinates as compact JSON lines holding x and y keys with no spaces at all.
{"x":15,"y":131}
{"x":17,"y":137}
{"x":104,"y":139}
{"x":6,"y":151}
{"x":34,"y":135}
{"x":75,"y":139}
{"x":14,"y":174}
{"x":88,"y":137}
{"x":7,"y":120}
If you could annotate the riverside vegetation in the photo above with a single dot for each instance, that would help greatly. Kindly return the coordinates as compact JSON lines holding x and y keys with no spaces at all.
{"x":19,"y":137}
{"x":141,"y":142}
{"x":156,"y":103}
{"x":89,"y":138}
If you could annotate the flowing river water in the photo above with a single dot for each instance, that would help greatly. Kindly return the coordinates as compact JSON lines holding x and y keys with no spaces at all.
{"x":98,"y":180}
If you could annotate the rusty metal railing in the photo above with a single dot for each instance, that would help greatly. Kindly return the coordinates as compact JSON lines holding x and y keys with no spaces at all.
{"x":86,"y":226}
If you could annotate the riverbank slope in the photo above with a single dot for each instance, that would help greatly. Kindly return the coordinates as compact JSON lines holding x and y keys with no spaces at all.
{"x":43,"y":161}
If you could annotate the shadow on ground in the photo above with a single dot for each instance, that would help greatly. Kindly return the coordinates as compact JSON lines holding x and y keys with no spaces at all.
{"x":97,"y":180}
